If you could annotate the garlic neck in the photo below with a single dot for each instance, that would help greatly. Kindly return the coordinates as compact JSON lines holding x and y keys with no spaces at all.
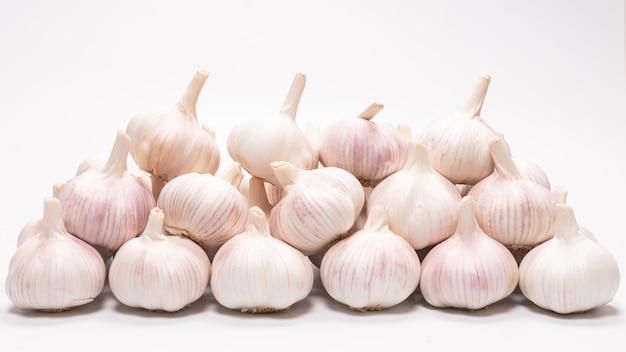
{"x":257,"y":222}
{"x":560,"y":194}
{"x":377,"y":219}
{"x":286,"y":173}
{"x":232,"y":174}
{"x":503,"y":162}
{"x":52,"y":220}
{"x":117,"y":164}
{"x":474,"y":104}
{"x":292,"y":101}
{"x":371,"y":111}
{"x":154,"y":226}
{"x":187,"y":103}
{"x":565,"y":224}
{"x":468,"y":225}
{"x":417,"y":158}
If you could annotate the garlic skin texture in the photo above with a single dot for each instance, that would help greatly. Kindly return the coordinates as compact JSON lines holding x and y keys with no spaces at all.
{"x":319,"y":206}
{"x":54,"y":270}
{"x":367,"y":149}
{"x":109,"y":206}
{"x":422,"y":205}
{"x":257,"y":273}
{"x":569,"y":273}
{"x":257,"y":142}
{"x":515,"y":211}
{"x":372,"y":269}
{"x":170,"y":141}
{"x":159,"y":272}
{"x":469,"y":270}
{"x":208,"y":209}
{"x":457,"y":144}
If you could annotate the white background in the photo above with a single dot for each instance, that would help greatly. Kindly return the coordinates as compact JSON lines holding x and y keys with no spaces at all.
{"x":73,"y":72}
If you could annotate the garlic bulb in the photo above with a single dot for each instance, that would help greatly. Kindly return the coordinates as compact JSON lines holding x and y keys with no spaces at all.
{"x":33,"y":227}
{"x":159,"y":272}
{"x":423,"y":205}
{"x":109,"y":206}
{"x":367,"y":149}
{"x":258,"y":142}
{"x":170,"y":141}
{"x":320,"y":205}
{"x":570,"y":272}
{"x":54,"y":270}
{"x":469,"y":270}
{"x":513,"y":210}
{"x":457,"y":144}
{"x":203,"y":207}
{"x":560,"y":194}
{"x":257,"y":273}
{"x":372,"y":269}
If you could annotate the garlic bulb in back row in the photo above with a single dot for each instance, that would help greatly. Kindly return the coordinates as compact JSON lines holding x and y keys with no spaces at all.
{"x":54,"y":270}
{"x":257,"y":273}
{"x":570,"y":272}
{"x":159,"y":272}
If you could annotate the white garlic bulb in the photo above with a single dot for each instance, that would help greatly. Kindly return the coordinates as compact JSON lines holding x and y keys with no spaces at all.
{"x":457,"y":144}
{"x":469,"y":270}
{"x":54,"y":270}
{"x":370,"y":150}
{"x":372,"y":269}
{"x":258,"y":142}
{"x":257,"y":273}
{"x":320,"y":205}
{"x":159,"y":272}
{"x":423,"y":205}
{"x":109,"y":206}
{"x":33,"y":227}
{"x":170,"y":141}
{"x":509,"y":208}
{"x":203,"y":207}
{"x":569,"y":273}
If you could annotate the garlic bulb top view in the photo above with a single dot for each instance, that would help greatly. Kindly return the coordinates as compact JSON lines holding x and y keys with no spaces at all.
{"x":257,"y":142}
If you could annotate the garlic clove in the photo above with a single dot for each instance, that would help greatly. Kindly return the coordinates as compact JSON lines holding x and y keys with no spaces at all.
{"x":159,"y":272}
{"x":54,"y":271}
{"x":569,"y":273}
{"x":372,"y":269}
{"x":257,"y":273}
{"x":469,"y":270}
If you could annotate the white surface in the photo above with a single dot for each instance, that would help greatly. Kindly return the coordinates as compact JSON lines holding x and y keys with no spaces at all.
{"x":72,"y":73}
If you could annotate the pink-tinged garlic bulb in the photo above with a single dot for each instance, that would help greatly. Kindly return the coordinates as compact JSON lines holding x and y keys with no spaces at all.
{"x":457,"y":144}
{"x":208,"y":209}
{"x":469,"y":270}
{"x":423,"y":205}
{"x":170,"y":141}
{"x":320,"y":206}
{"x":569,"y":273}
{"x":257,"y":273}
{"x":370,"y":150}
{"x":258,"y":142}
{"x":54,"y":271}
{"x":159,"y":272}
{"x":109,"y":206}
{"x":372,"y":269}
{"x":515,"y":211}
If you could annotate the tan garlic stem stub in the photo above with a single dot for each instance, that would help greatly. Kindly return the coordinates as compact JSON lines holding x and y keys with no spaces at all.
{"x":257,"y":195}
{"x":286,"y":173}
{"x":117,"y":165}
{"x":371,"y":111}
{"x":187,"y":103}
{"x":502,"y":159}
{"x":292,"y":101}
{"x":474,"y":103}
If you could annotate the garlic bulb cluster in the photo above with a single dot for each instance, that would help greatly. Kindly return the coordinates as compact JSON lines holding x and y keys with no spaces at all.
{"x":170,"y":141}
{"x":469,"y":270}
{"x":372,"y":269}
{"x":569,"y":273}
{"x":159,"y":272}
{"x":368,"y":149}
{"x":257,"y":273}
{"x":53,"y":270}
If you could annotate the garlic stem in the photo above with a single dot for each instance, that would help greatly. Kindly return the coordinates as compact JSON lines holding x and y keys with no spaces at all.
{"x":257,"y":195}
{"x":285,"y":172}
{"x":474,"y":104}
{"x":117,"y":164}
{"x":231,"y":174}
{"x":377,"y":219}
{"x":371,"y":111}
{"x":52,"y":220}
{"x":187,"y":103}
{"x":57,"y":188}
{"x":467,"y":219}
{"x":292,"y":101}
{"x":157,"y":183}
{"x":565,"y":224}
{"x":154,"y":226}
{"x":257,"y":222}
{"x":417,"y":157}
{"x":503,"y":162}
{"x":560,"y":193}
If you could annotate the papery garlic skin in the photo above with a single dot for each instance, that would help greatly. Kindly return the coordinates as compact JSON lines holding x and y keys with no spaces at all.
{"x":569,"y":273}
{"x":423,"y":205}
{"x":257,"y":273}
{"x":54,"y":270}
{"x":109,"y":206}
{"x":469,"y":270}
{"x":159,"y":272}
{"x":320,"y":206}
{"x":372,"y":269}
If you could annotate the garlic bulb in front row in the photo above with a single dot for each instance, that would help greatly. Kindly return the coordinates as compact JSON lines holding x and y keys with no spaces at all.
{"x":159,"y":272}
{"x":54,"y":270}
{"x":469,"y":270}
{"x":372,"y":269}
{"x":257,"y":273}
{"x":569,"y":273}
